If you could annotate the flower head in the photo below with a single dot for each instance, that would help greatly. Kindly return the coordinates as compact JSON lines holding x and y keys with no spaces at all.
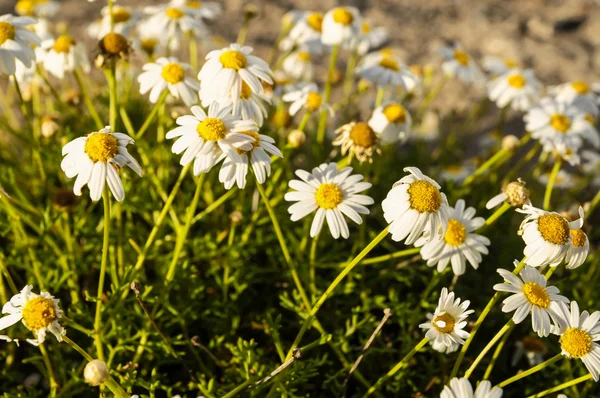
{"x":16,"y":42}
{"x":307,"y":97}
{"x":459,"y":64}
{"x":391,"y":122}
{"x":359,"y":139}
{"x":64,"y":55}
{"x":519,"y":89}
{"x":385,"y":70}
{"x":169,"y":74}
{"x":514,"y":193}
{"x":446,"y":325}
{"x":341,"y":24}
{"x":461,"y":388}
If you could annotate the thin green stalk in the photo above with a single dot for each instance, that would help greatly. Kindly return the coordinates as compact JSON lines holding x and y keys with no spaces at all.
{"x":524,"y":160}
{"x":304,"y":120}
{"x":214,"y":205}
{"x":49,"y":369}
{"x":112,"y":89}
{"x":386,"y":257}
{"x":327,"y":93}
{"x":380,"y":95}
{"x":243,"y":30}
{"x":238,"y":389}
{"x":531,"y":371}
{"x":501,"y":210}
{"x":403,"y":362}
{"x":509,"y":325}
{"x":490,"y":367}
{"x":110,"y":12}
{"x":152,"y":114}
{"x":22,"y":102}
{"x":486,"y":165}
{"x":86,"y":98}
{"x":432,"y":95}
{"x":349,"y":77}
{"x":562,"y":386}
{"x":550,"y":185}
{"x":105,"y":250}
{"x":593,"y":204}
{"x":193,"y":49}
{"x":311,"y":263}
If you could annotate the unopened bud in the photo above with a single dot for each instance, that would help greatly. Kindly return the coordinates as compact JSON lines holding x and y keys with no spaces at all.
{"x":250,"y":11}
{"x":517,"y":194}
{"x":236,"y":217}
{"x":95,"y":372}
{"x":510,"y":143}
{"x":49,"y":126}
{"x":296,"y":138}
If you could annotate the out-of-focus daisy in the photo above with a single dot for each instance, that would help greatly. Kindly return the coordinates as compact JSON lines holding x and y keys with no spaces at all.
{"x":386,"y":70}
{"x":96,"y":159}
{"x":299,"y":65}
{"x":225,"y":70}
{"x":446,"y":325}
{"x":459,"y":244}
{"x":577,"y":93}
{"x":443,"y":348}
{"x":585,"y":125}
{"x":459,"y":64}
{"x":64,"y":55}
{"x":547,"y":236}
{"x":530,"y":295}
{"x":37,"y":8}
{"x":358,"y":139}
{"x":148,"y":40}
{"x":391,"y":122}
{"x":307,"y":97}
{"x":203,"y":138}
{"x":413,"y":204}
{"x":169,"y":73}
{"x":370,"y":38}
{"x":16,"y":42}
{"x":514,"y":193}
{"x":457,"y":172}
{"x":579,"y":336}
{"x":591,"y":162}
{"x":520,"y":89}
{"x":259,"y":157}
{"x":578,"y":251}
{"x":341,"y":24}
{"x":497,"y":66}
{"x":533,"y":348}
{"x":124,"y":18}
{"x":332,"y":194}
{"x":249,"y":106}
{"x":306,"y":33}
{"x":199,"y":9}
{"x":563,"y":180}
{"x":113,"y":47}
{"x":461,"y":388}
{"x":173,"y":21}
{"x":39,"y":313}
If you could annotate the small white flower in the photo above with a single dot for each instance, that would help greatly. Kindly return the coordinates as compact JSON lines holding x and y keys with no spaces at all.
{"x":38,"y":312}
{"x":459,"y":244}
{"x":307,"y":97}
{"x":199,"y":9}
{"x":96,"y":159}
{"x":64,"y":55}
{"x":530,"y":295}
{"x":459,"y":64}
{"x":578,"y":251}
{"x":443,"y":348}
{"x":577,"y":93}
{"x":461,"y":388}
{"x":387,"y":70}
{"x":37,"y":8}
{"x":16,"y":42}
{"x":446,"y":325}
{"x":358,"y":139}
{"x":340,"y":25}
{"x":332,"y":194}
{"x":249,"y":106}
{"x":173,"y":20}
{"x":298,"y":65}
{"x":391,"y":122}
{"x":207,"y":139}
{"x":413,"y":204}
{"x":124,"y":18}
{"x":520,"y":89}
{"x":563,"y":180}
{"x":497,"y":66}
{"x":371,"y":37}
{"x":169,"y":73}
{"x":533,"y":348}
{"x":306,"y":33}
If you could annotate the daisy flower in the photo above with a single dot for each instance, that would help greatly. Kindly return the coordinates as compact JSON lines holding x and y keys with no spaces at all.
{"x":497,"y":66}
{"x":306,"y":33}
{"x":443,"y":348}
{"x":259,"y":157}
{"x":169,"y":73}
{"x":390,"y":122}
{"x":307,"y":97}
{"x":64,"y":55}
{"x":341,"y":24}
{"x":460,"y":65}
{"x":577,"y":93}
{"x":530,"y":295}
{"x":38,"y":312}
{"x":37,"y":8}
{"x":225,"y":70}
{"x":298,"y":65}
{"x":547,"y":236}
{"x":520,"y":89}
{"x":204,"y":138}
{"x":446,"y":325}
{"x":413,"y":204}
{"x":459,"y":244}
{"x":370,"y":38}
{"x":461,"y":388}
{"x":249,"y":106}
{"x":358,"y":139}
{"x":96,"y":159}
{"x":533,"y":348}
{"x":148,"y":40}
{"x":514,"y":193}
{"x":332,"y":194}
{"x":563,"y":179}
{"x":16,"y":42}
{"x":172,"y":20}
{"x":199,"y":9}
{"x":124,"y":19}
{"x":386,"y":70}
{"x":579,"y":336}
{"x":578,"y":251}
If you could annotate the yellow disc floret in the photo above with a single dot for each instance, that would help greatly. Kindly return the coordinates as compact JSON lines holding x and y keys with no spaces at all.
{"x":554,"y":228}
{"x":246,"y":91}
{"x":195,"y":4}
{"x":315,"y":21}
{"x":560,"y":122}
{"x":7,"y":32}
{"x":576,"y":342}
{"x":395,"y":113}
{"x":328,"y":196}
{"x":304,"y":56}
{"x":149,"y":45}
{"x":25,"y":7}
{"x":115,"y":44}
{"x":173,"y":73}
{"x":313,"y":101}
{"x":536,"y":294}
{"x":255,"y":143}
{"x":580,"y":87}
{"x":510,"y":63}
{"x":448,"y":321}
{"x":174,"y":13}
{"x":343,"y":16}
{"x":232,"y":59}
{"x":424,"y":197}
{"x":389,"y":63}
{"x":63,"y":44}
{"x":211,"y":129}
{"x":120,"y":15}
{"x":516,"y":80}
{"x":101,"y":147}
{"x":456,"y":234}
{"x":461,"y":57}
{"x":39,"y":313}
{"x":579,"y":237}
{"x":366,"y":28}
{"x":363,"y":135}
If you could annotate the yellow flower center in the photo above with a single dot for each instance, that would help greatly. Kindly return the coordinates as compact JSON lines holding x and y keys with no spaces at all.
{"x":63,"y":44}
{"x":211,"y":129}
{"x":193,"y":4}
{"x":456,"y":234}
{"x":329,"y":196}
{"x":315,"y":21}
{"x":343,"y":16}
{"x":255,"y":143}
{"x":389,"y":63}
{"x":580,"y":87}
{"x":232,"y":59}
{"x":366,"y":28}
{"x":386,"y":52}
{"x":173,"y":73}
{"x":447,"y":319}
{"x":363,"y":135}
{"x":510,"y":63}
{"x":579,"y":237}
{"x":148,"y":45}
{"x":246,"y":91}
{"x":7,"y":32}
{"x":395,"y":113}
{"x":120,"y":15}
{"x":313,"y":101}
{"x":516,"y":80}
{"x":554,"y":228}
{"x":115,"y":43}
{"x":424,"y":197}
{"x":25,"y":7}
{"x":174,"y":13}
{"x":576,"y":342}
{"x":590,"y":119}
{"x":560,"y":122}
{"x":536,"y":294}
{"x":100,"y":147}
{"x":461,"y":57}
{"x":39,"y":313}
{"x":304,"y":56}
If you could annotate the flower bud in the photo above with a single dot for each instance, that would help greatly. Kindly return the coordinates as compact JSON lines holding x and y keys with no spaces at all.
{"x":236,"y":217}
{"x":95,"y":372}
{"x":49,"y":126}
{"x":517,"y":194}
{"x":296,"y":138}
{"x":510,"y":143}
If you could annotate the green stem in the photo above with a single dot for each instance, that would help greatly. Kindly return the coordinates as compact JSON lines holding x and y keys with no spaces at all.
{"x":304,"y":120}
{"x":509,"y":325}
{"x":112,"y":89}
{"x":214,"y":205}
{"x":486,"y":165}
{"x":380,"y":95}
{"x":550,"y":185}
{"x":87,"y":99}
{"x":152,"y":114}
{"x":349,"y":80}
{"x":327,"y":93}
{"x":593,"y":204}
{"x":562,"y":386}
{"x":193,"y":52}
{"x":524,"y":160}
{"x":110,"y":12}
{"x":243,"y":31}
{"x":531,"y":371}
{"x":396,"y":368}
{"x":386,"y":257}
{"x":433,"y":93}
{"x":313,"y":254}
{"x":48,"y":364}
{"x":238,"y":389}
{"x":501,"y":210}
{"x":105,"y":250}
{"x":490,"y":367}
